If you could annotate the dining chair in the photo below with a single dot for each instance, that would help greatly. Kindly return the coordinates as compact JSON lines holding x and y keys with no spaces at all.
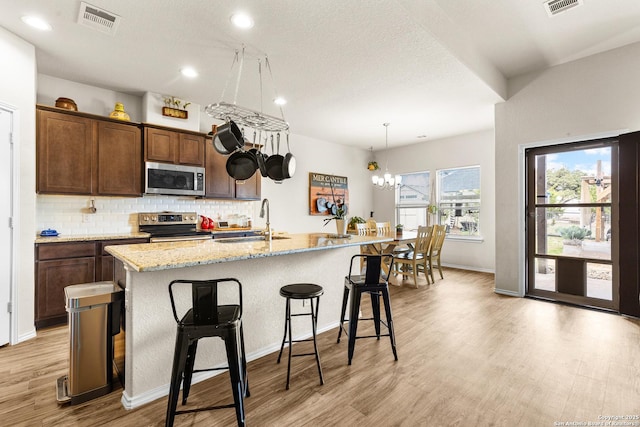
{"x":372,"y":226}
{"x":362,"y":229}
{"x":418,"y":259}
{"x":383,"y":227}
{"x":439,"y":233}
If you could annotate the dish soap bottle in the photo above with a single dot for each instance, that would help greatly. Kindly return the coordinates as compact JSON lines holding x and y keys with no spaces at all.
{"x":118,"y":113}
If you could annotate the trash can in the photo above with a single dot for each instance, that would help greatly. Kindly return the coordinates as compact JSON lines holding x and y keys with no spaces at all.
{"x":94,"y":311}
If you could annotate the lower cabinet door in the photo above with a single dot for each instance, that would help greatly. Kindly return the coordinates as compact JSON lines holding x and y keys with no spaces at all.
{"x":52,"y":277}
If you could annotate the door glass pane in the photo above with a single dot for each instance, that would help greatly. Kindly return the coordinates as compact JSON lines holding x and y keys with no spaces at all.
{"x":579,"y":176}
{"x":575,"y":232}
{"x":545,"y":274}
{"x":599,"y":281}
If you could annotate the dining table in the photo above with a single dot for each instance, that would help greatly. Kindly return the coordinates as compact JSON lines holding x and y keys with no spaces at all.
{"x":407,"y":238}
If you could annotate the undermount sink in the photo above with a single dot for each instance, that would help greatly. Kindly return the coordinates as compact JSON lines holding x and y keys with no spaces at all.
{"x":250,"y":239}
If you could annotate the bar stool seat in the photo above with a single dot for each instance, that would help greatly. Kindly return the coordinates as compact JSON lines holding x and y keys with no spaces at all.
{"x":207,"y":318}
{"x":301,"y":291}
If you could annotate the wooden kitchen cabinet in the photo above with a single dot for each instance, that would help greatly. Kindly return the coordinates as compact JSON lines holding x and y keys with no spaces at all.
{"x":119,"y":159}
{"x":79,"y":153}
{"x":167,"y":145}
{"x":104,"y":262}
{"x":64,"y":152}
{"x":59,"y":265}
{"x":218,"y":183}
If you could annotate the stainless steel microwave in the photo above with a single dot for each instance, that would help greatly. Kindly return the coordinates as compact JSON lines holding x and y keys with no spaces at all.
{"x":165,"y":178}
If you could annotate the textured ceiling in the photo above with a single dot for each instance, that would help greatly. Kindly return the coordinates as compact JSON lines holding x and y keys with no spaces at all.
{"x":428,"y":67}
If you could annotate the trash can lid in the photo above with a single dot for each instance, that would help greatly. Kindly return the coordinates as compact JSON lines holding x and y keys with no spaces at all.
{"x":88,"y":294}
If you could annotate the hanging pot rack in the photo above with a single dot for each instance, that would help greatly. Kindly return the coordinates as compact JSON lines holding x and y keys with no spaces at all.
{"x":242,"y":116}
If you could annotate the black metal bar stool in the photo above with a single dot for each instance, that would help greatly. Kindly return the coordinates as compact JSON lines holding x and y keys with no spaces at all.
{"x":207,"y":318}
{"x":301,"y":291}
{"x":375,"y":283}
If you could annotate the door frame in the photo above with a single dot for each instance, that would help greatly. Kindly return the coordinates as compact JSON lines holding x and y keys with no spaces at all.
{"x":522,"y":194}
{"x":14,"y":212}
{"x":578,"y":263}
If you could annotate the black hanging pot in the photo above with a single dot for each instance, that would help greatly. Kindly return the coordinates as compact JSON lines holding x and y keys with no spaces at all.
{"x":274,"y":164}
{"x":289,"y":162}
{"x":227,"y":138}
{"x":241,"y":165}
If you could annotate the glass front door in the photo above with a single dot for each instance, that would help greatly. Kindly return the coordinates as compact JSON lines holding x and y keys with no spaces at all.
{"x":570,"y":197}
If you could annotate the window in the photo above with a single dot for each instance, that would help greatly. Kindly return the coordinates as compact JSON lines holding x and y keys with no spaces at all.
{"x":459,"y":200}
{"x":412,"y":199}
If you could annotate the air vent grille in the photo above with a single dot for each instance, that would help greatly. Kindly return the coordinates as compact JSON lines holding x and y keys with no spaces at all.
{"x":98,"y":19}
{"x":554,"y":7}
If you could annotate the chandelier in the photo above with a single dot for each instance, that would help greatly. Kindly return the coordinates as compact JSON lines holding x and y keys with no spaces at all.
{"x":386,"y":181}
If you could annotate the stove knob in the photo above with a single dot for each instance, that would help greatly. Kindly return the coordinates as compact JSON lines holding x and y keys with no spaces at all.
{"x":145,"y":218}
{"x":191,"y":218}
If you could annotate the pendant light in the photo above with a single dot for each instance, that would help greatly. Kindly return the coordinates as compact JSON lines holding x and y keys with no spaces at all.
{"x":386,"y":181}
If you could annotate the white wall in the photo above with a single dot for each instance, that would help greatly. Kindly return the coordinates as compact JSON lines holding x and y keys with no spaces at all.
{"x":17,"y":88}
{"x":89,"y":99}
{"x":594,"y":95}
{"x":462,"y":150}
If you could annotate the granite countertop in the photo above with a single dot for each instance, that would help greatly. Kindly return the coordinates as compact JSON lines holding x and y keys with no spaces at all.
{"x":168,"y":255}
{"x":90,"y":237}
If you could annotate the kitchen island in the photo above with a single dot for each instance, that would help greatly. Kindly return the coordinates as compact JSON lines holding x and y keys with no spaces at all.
{"x":145,"y":270}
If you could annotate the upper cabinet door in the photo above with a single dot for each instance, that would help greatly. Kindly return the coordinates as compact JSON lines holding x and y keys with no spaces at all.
{"x":119,"y":159}
{"x":64,"y":152}
{"x":159,"y":145}
{"x":249,"y":189}
{"x":191,"y":149}
{"x":218,"y":184}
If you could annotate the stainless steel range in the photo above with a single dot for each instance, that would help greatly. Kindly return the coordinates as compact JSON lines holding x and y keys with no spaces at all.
{"x":171,"y":226}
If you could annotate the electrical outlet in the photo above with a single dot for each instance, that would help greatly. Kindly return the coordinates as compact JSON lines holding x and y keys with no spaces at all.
{"x":85,"y":218}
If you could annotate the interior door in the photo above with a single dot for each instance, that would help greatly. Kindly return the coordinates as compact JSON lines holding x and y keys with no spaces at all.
{"x":6,"y":235}
{"x":571,"y":199}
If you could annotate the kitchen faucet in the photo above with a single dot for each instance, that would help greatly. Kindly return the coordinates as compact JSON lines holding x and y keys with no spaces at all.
{"x":267,"y":232}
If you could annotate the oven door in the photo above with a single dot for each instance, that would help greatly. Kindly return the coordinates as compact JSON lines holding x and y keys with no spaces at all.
{"x":164,"y":178}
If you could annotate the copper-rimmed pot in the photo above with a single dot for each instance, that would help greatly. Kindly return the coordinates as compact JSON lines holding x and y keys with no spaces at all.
{"x":66,"y":103}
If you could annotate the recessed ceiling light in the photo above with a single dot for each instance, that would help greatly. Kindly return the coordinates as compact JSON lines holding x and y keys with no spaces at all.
{"x":242,"y":20}
{"x":279,"y":101}
{"x":189,"y":72}
{"x":36,"y":22}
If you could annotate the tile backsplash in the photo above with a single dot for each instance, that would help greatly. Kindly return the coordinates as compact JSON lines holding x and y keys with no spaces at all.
{"x":70,"y":215}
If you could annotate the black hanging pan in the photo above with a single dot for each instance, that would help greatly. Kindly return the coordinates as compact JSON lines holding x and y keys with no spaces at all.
{"x":289,"y":162}
{"x":228,"y":138}
{"x":241,"y":165}
{"x":260,"y":158}
{"x":274,"y":164}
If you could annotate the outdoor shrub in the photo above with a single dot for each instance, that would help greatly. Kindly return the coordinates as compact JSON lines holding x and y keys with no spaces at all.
{"x":574,"y":232}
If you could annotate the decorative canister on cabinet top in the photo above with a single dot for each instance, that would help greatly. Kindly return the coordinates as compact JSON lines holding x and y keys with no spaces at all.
{"x":118,"y":113}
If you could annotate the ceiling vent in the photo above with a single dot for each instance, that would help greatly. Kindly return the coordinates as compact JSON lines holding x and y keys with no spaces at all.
{"x":98,"y":19}
{"x":554,"y":7}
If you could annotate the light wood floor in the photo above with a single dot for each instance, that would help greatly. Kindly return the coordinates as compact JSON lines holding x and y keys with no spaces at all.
{"x":467,"y":356}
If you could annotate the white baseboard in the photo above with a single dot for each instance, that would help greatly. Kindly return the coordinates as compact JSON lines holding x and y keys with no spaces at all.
{"x":28,"y":336}
{"x":466,"y":267}
{"x":507,"y":292}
